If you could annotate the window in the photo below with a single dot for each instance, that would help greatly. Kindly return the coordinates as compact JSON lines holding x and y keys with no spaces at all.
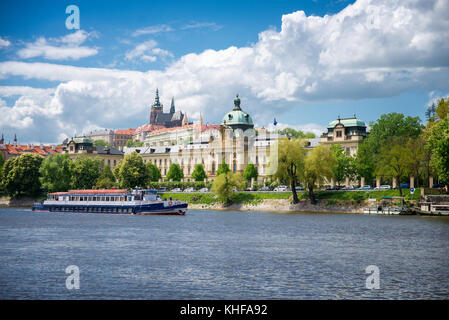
{"x":338,"y":133}
{"x":234,"y":169}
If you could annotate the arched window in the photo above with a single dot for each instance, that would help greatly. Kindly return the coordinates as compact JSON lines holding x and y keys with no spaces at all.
{"x":234,"y":168}
{"x":213,"y":167}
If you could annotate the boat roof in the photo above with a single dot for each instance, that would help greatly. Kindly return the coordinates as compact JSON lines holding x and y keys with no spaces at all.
{"x":92,"y":191}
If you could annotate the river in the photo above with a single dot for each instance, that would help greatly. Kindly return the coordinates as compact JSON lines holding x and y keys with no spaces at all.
{"x":222,"y":255}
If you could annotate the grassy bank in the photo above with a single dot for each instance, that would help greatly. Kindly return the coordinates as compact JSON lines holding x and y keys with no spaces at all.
{"x":253,"y":198}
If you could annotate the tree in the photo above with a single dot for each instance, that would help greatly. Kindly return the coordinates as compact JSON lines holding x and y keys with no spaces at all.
{"x":56,"y":173}
{"x":223,"y":168}
{"x":318,"y":168}
{"x":383,"y":131}
{"x":134,"y":144}
{"x":430,"y":112}
{"x":2,"y":162}
{"x":85,"y":172}
{"x":198,"y":173}
{"x":131,"y":171}
{"x":344,"y":166}
{"x":296,"y":133}
{"x":175,"y":173}
{"x":154,"y":174}
{"x":394,"y":160}
{"x":250,"y":172}
{"x":106,"y":179}
{"x":101,"y":143}
{"x":21,"y":174}
{"x":291,"y":157}
{"x":224,"y":184}
{"x":443,"y":108}
{"x":438,"y":142}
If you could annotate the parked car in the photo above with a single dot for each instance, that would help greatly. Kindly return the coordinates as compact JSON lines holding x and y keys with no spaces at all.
{"x":250,"y":189}
{"x":349,"y":188}
{"x":281,"y":188}
{"x":265,"y":189}
{"x":177,"y":190}
{"x":162,"y":190}
{"x":204,"y":190}
{"x":191,"y":189}
{"x":298,"y":188}
{"x":404,"y":186}
{"x":334,"y":188}
{"x":438,"y":185}
{"x":385,"y":187}
{"x":365,"y":187}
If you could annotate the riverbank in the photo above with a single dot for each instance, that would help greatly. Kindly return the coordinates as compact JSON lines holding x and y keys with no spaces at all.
{"x":22,"y":202}
{"x":281,"y":205}
{"x":327,"y":201}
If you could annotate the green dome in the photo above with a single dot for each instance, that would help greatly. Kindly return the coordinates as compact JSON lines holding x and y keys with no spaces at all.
{"x":237,"y":117}
{"x":349,"y":122}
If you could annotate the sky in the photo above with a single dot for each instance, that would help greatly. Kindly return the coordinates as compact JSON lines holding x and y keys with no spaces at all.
{"x":302,"y":62}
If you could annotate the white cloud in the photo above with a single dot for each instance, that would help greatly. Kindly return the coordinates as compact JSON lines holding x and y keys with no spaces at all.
{"x":147,"y":51}
{"x":4,"y":43}
{"x":199,"y":25}
{"x":152,"y":30}
{"x":373,"y":48}
{"x":64,"y":48}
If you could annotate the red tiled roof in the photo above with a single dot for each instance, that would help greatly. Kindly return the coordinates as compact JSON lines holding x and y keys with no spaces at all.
{"x":41,"y":150}
{"x":100,"y":191}
{"x":125,"y":131}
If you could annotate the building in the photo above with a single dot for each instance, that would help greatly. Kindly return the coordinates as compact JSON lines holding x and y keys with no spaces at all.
{"x":102,"y":134}
{"x":234,"y":140}
{"x":84,"y":146}
{"x":171,"y":119}
{"x":122,"y":136}
{"x":9,"y":150}
{"x":347,"y":132}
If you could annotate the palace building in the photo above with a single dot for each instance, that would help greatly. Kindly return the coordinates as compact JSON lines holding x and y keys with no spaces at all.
{"x":347,"y":132}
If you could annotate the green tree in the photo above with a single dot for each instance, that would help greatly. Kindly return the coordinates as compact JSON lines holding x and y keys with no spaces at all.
{"x":250,"y":172}
{"x":199,"y":174}
{"x":175,"y":173}
{"x":2,"y":162}
{"x":443,"y":108}
{"x":383,"y":131}
{"x":101,"y":143}
{"x":21,"y":174}
{"x":291,"y":157}
{"x":106,"y":179}
{"x":318,"y":168}
{"x":223,"y":168}
{"x":154,"y":174}
{"x":394,"y":160}
{"x":56,"y":173}
{"x":131,"y":171}
{"x":344,"y":166}
{"x":85,"y":172}
{"x":224,"y":184}
{"x":297,"y":133}
{"x":438,"y":141}
{"x":134,"y":144}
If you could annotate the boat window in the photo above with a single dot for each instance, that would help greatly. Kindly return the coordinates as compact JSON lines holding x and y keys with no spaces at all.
{"x":107,"y":198}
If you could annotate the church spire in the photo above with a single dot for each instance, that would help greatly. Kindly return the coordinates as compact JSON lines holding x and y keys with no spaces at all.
{"x":172,"y":108}
{"x":157,"y":103}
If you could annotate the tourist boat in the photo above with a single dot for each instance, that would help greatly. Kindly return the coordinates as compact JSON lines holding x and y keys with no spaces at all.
{"x":115,"y":201}
{"x":388,"y":210}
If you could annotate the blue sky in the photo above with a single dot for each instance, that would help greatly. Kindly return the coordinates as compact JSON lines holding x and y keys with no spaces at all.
{"x":303,"y":62}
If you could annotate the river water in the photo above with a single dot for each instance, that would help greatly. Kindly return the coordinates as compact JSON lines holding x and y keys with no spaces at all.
{"x":222,"y":255}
